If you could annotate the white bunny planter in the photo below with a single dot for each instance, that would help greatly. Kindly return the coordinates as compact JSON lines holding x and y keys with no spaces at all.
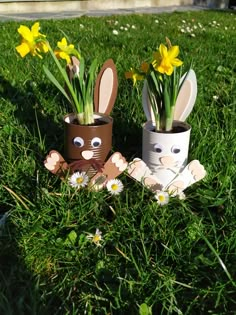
{"x":165,"y":155}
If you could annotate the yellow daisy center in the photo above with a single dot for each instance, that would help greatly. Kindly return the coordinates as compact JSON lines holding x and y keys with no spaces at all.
{"x":114,"y":186}
{"x":161,"y":198}
{"x":96,"y":238}
{"x":79,"y":180}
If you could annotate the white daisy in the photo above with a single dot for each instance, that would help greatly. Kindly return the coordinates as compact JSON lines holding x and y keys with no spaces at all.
{"x":162,"y":198}
{"x":96,"y":238}
{"x":78,"y":180}
{"x":114,"y":186}
{"x":115,"y":32}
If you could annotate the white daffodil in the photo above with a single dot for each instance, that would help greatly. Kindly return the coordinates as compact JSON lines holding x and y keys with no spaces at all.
{"x":162,"y":198}
{"x":78,"y":179}
{"x":95,"y":238}
{"x":114,"y":186}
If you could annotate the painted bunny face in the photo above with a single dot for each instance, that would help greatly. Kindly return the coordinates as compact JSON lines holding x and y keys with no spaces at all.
{"x":168,"y":154}
{"x":165,"y":150}
{"x":88,"y":142}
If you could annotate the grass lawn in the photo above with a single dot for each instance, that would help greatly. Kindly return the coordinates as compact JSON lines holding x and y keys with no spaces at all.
{"x":175,"y":259}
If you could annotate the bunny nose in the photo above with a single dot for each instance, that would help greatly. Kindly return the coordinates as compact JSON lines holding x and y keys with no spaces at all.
{"x":167,"y":161}
{"x":87,"y":154}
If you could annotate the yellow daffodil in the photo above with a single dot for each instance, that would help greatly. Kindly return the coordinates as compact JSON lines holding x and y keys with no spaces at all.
{"x":134,"y":75}
{"x":65,"y":51}
{"x":32,"y":41}
{"x":165,"y":60}
{"x":145,"y":67}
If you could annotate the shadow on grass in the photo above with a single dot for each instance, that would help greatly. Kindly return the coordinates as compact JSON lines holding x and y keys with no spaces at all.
{"x":30,"y":114}
{"x":127,"y":139}
{"x":20,"y":292}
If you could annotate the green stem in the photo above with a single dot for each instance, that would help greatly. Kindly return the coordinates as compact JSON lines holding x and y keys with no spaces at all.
{"x":67,"y":81}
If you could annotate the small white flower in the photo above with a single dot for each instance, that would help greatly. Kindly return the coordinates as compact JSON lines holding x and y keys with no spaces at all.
{"x":127,"y":25}
{"x":156,"y":21}
{"x":78,"y":180}
{"x":162,"y":198}
{"x":115,"y":32}
{"x":133,"y":27}
{"x":81,"y":26}
{"x":226,"y":28}
{"x":195,"y":27}
{"x":182,"y":30}
{"x":214,"y":22}
{"x":193,"y":35}
{"x":126,"y":29}
{"x":116,"y":22}
{"x":122,"y":27}
{"x":114,"y":186}
{"x":183,"y":21}
{"x":215,"y":97}
{"x":96,"y":238}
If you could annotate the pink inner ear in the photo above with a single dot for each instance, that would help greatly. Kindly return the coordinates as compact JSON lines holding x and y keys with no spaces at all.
{"x":105,"y":89}
{"x":182,"y":100}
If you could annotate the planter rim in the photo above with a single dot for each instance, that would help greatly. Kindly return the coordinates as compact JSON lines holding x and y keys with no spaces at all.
{"x":148,"y":125}
{"x":106,"y":118}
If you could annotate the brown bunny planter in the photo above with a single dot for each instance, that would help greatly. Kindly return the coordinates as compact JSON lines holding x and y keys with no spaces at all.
{"x":88,"y":142}
{"x":86,"y":147}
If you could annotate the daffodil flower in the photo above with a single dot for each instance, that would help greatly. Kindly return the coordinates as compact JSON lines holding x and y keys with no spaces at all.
{"x":165,"y":60}
{"x":78,"y":86}
{"x":65,"y":51}
{"x":145,"y":67}
{"x":134,"y":75}
{"x":32,"y":41}
{"x":163,"y":81}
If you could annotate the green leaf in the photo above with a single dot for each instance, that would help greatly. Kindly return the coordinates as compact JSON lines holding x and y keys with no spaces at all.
{"x":144,"y":309}
{"x":71,"y":238}
{"x":55,"y":82}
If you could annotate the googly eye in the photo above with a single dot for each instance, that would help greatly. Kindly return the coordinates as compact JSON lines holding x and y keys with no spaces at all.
{"x":158,"y":148}
{"x":78,"y":142}
{"x":175,"y":149}
{"x":96,"y":142}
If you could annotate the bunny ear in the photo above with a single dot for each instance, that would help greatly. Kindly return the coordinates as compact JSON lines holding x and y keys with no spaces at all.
{"x":187,"y":96}
{"x":71,"y":69}
{"x":146,"y":104}
{"x":106,"y":88}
